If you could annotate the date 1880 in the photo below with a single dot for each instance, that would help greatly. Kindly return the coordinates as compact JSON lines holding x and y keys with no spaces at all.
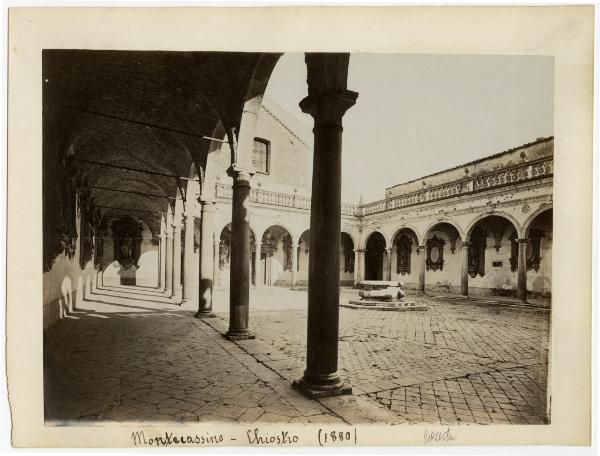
{"x":338,"y":437}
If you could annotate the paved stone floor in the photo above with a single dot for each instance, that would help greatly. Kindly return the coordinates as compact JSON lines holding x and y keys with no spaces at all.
{"x":130,"y":357}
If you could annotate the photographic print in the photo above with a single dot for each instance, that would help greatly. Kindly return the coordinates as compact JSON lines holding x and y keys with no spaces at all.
{"x":257,"y":247}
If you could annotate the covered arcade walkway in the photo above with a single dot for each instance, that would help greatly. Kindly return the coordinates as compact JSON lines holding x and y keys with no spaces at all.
{"x":127,"y":140}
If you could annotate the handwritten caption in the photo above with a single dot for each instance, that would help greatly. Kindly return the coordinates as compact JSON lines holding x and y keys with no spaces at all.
{"x":254,"y":436}
{"x":330,"y":437}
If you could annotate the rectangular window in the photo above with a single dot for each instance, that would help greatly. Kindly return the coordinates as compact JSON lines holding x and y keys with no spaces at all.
{"x":261,"y":156}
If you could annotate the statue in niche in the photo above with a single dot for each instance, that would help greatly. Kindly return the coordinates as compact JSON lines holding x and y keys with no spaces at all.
{"x":533,"y":250}
{"x":286,"y":240}
{"x":224,"y":247}
{"x":477,"y":246}
{"x":532,"y":254}
{"x":403,"y":252}
{"x":127,"y":249}
{"x":435,"y":254}
{"x":99,"y":249}
{"x":514,"y":251}
{"x":127,"y":235}
{"x":348,"y":251}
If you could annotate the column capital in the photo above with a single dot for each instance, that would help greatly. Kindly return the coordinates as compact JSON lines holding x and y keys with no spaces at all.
{"x":522,"y":241}
{"x":421,"y":247}
{"x":465,"y":245}
{"x":360,"y":251}
{"x":188,"y":217}
{"x":206,"y":204}
{"x":241,"y":174}
{"x":329,"y":107}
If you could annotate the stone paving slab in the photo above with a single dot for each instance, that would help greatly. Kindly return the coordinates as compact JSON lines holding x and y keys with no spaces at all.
{"x":146,"y":360}
{"x":353,"y":409}
{"x":161,"y":365}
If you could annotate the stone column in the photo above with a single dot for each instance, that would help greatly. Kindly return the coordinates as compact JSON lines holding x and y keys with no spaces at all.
{"x":216,"y":260}
{"x":239,"y":291}
{"x":359,"y":265}
{"x":327,"y":102}
{"x":159,"y":280}
{"x":258,"y":277}
{"x":177,"y":259}
{"x":169,"y":261}
{"x":388,"y":270}
{"x":464,"y":270}
{"x":422,"y":250}
{"x":162,"y":258}
{"x":188,"y":259}
{"x":294,"y":265}
{"x":522,"y":271}
{"x":205,"y":272}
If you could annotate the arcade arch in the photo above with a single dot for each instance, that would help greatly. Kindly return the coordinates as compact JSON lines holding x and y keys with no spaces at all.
{"x":375,"y":255}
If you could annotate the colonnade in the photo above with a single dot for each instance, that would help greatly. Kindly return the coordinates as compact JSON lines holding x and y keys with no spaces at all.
{"x":387,"y":264}
{"x":327,"y":101}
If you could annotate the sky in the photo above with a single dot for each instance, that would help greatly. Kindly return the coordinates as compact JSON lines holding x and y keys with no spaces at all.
{"x":419,"y":114}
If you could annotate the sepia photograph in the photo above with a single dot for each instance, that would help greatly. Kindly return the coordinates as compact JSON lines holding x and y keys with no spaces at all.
{"x":321,"y":239}
{"x":183,"y":202}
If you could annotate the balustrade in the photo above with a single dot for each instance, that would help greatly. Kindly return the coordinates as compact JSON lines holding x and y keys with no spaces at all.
{"x":279,"y":199}
{"x":506,"y":176}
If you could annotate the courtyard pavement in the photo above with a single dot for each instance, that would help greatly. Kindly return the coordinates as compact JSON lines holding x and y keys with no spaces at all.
{"x":142,"y":357}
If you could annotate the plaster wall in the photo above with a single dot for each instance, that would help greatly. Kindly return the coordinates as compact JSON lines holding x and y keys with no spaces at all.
{"x":147,"y":273}
{"x":66,"y":284}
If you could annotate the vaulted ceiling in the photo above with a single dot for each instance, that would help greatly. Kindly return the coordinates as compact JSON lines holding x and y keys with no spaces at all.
{"x":110,"y":115}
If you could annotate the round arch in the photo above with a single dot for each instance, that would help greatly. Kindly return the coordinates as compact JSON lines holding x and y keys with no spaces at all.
{"x":375,"y":255}
{"x":368,"y":236}
{"x":455,"y":225}
{"x":504,"y":215}
{"x":274,"y":225}
{"x":527,"y":224}
{"x":222,"y":228}
{"x":351,"y":236}
{"x":410,"y":228}
{"x":222,"y":225}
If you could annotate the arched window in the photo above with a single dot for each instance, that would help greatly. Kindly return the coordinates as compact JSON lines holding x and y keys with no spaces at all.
{"x":261,"y":155}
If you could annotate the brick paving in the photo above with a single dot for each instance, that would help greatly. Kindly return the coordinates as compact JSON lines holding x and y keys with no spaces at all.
{"x":147,"y":359}
{"x":457,"y":363}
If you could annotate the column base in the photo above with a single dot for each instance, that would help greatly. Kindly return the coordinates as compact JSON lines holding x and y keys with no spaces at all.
{"x":204,"y":314}
{"x":317,"y":392}
{"x":239,"y":335}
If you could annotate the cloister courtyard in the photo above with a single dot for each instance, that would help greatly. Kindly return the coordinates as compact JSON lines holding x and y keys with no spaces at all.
{"x":128,"y":353}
